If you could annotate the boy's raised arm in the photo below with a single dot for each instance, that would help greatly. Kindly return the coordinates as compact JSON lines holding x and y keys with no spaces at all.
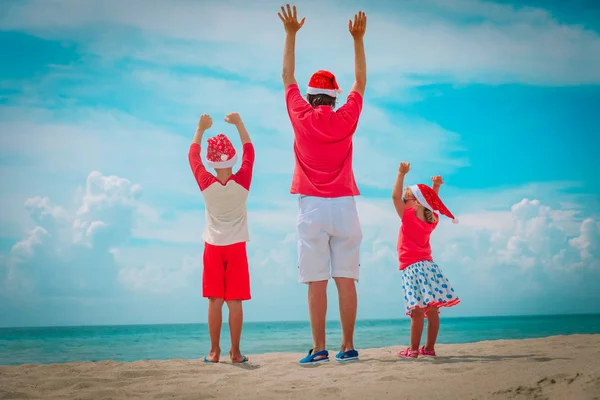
{"x":291,"y":25}
{"x":244,"y":174}
{"x":235,"y":119}
{"x":204,"y":123}
{"x":357,"y":30}
{"x":203,"y":177}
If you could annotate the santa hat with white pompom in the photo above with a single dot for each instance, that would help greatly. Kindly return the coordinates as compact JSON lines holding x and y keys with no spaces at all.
{"x":323,"y":82}
{"x":430,"y":200}
{"x":220,"y":152}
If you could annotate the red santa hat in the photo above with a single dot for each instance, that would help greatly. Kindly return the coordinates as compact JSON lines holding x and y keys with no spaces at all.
{"x":220,"y":152}
{"x":430,"y":200}
{"x":323,"y":82}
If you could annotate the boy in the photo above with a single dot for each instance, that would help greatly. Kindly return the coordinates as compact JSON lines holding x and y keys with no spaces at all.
{"x":225,"y":277}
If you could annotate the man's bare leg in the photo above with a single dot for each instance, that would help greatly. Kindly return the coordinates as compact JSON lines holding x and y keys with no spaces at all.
{"x":348,"y":305}
{"x":317,"y":308}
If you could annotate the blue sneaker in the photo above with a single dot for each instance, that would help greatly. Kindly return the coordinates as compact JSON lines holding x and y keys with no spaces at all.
{"x":320,"y":356}
{"x":344,"y":356}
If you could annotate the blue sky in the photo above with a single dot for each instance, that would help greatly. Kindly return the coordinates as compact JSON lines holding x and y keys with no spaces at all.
{"x":102,"y":220}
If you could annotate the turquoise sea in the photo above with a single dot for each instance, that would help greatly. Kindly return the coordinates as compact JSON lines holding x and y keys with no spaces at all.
{"x":190,"y":341}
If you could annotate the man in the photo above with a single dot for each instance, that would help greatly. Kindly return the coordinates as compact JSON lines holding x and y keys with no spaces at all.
{"x":329,"y":232}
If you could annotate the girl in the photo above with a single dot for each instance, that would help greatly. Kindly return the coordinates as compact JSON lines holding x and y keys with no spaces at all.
{"x":425,"y":286}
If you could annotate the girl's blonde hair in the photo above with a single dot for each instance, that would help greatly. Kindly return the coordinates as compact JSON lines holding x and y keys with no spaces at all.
{"x":427,"y":213}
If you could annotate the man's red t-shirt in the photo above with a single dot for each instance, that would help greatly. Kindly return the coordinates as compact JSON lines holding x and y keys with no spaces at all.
{"x":323,"y":145}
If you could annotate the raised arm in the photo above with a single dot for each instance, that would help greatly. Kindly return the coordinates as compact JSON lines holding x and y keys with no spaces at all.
{"x":204,"y":124}
{"x":357,"y":30}
{"x":244,"y":174}
{"x":203,"y":177}
{"x":436,"y":183}
{"x":235,"y":119}
{"x":399,"y":188}
{"x":291,"y":26}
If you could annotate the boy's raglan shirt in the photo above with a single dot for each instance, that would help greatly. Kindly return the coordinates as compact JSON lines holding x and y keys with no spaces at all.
{"x":226,"y":215}
{"x":323,"y":145}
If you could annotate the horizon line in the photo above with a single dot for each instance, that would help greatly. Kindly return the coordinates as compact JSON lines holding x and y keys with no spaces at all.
{"x":291,"y":321}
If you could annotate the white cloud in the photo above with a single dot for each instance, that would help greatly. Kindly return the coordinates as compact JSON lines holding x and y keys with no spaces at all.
{"x":525,"y":251}
{"x":76,"y":252}
{"x":149,"y":154}
{"x":531,"y":235}
{"x":160,"y":278}
{"x":535,"y":237}
{"x":456,"y":41}
{"x":157,"y":157}
{"x":587,"y":243}
{"x":106,"y":208}
{"x":86,"y":247}
{"x":491,"y":258}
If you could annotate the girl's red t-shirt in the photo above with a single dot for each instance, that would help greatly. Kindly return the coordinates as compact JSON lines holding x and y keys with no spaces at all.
{"x":413,"y":240}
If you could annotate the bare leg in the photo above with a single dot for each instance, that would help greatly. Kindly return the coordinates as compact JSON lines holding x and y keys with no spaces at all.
{"x":215,"y":321}
{"x":348,"y":305}
{"x":236,"y":319}
{"x":416,"y":328}
{"x":433,"y":327}
{"x":317,"y":308}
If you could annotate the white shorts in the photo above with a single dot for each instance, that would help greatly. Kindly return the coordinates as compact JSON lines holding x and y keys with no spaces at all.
{"x":329,"y":239}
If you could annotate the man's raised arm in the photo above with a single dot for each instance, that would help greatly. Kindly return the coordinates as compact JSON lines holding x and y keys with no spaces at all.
{"x":357,"y":30}
{"x":289,"y":18}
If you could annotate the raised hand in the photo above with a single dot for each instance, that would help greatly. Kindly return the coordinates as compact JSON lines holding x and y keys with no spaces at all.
{"x":233,"y":118}
{"x":205,"y":122}
{"x":290,"y":19}
{"x":404,"y":168}
{"x":358,"y":28}
{"x":437,"y":180}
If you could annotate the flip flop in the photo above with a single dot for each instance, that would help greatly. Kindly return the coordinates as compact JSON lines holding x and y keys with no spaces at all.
{"x":345,"y":356}
{"x":428,"y":353}
{"x":207,"y":361}
{"x":244,"y":360}
{"x":312,"y":358}
{"x":408,"y":353}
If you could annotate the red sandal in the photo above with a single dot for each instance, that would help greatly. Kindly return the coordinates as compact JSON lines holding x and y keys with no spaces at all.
{"x":408,"y":353}
{"x":428,"y":353}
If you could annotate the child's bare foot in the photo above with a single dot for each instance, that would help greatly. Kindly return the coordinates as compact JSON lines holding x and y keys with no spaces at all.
{"x":237,"y":357}
{"x":213,"y":356}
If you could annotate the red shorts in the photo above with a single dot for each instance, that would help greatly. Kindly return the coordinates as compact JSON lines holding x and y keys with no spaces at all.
{"x":225,"y":274}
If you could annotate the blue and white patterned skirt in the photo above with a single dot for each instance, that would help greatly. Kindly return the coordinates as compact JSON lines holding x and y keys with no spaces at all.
{"x":425,"y":285}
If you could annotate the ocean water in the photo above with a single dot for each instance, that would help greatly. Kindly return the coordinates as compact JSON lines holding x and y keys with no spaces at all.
{"x":190,"y":341}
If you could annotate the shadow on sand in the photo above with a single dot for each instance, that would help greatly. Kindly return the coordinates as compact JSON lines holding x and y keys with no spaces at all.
{"x":466,"y":359}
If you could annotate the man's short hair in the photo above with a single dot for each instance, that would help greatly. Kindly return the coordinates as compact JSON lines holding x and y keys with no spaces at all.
{"x":320,"y":100}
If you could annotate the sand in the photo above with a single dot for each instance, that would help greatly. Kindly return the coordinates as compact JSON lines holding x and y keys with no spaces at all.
{"x":560,"y":367}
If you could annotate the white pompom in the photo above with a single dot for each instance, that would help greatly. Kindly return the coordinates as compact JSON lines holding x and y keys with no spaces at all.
{"x":455,"y":221}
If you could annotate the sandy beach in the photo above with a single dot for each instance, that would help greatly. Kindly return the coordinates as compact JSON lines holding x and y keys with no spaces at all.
{"x":560,"y":367}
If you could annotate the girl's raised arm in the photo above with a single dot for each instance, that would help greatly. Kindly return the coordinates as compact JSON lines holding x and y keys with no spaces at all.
{"x":436,"y":183}
{"x":399,"y":188}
